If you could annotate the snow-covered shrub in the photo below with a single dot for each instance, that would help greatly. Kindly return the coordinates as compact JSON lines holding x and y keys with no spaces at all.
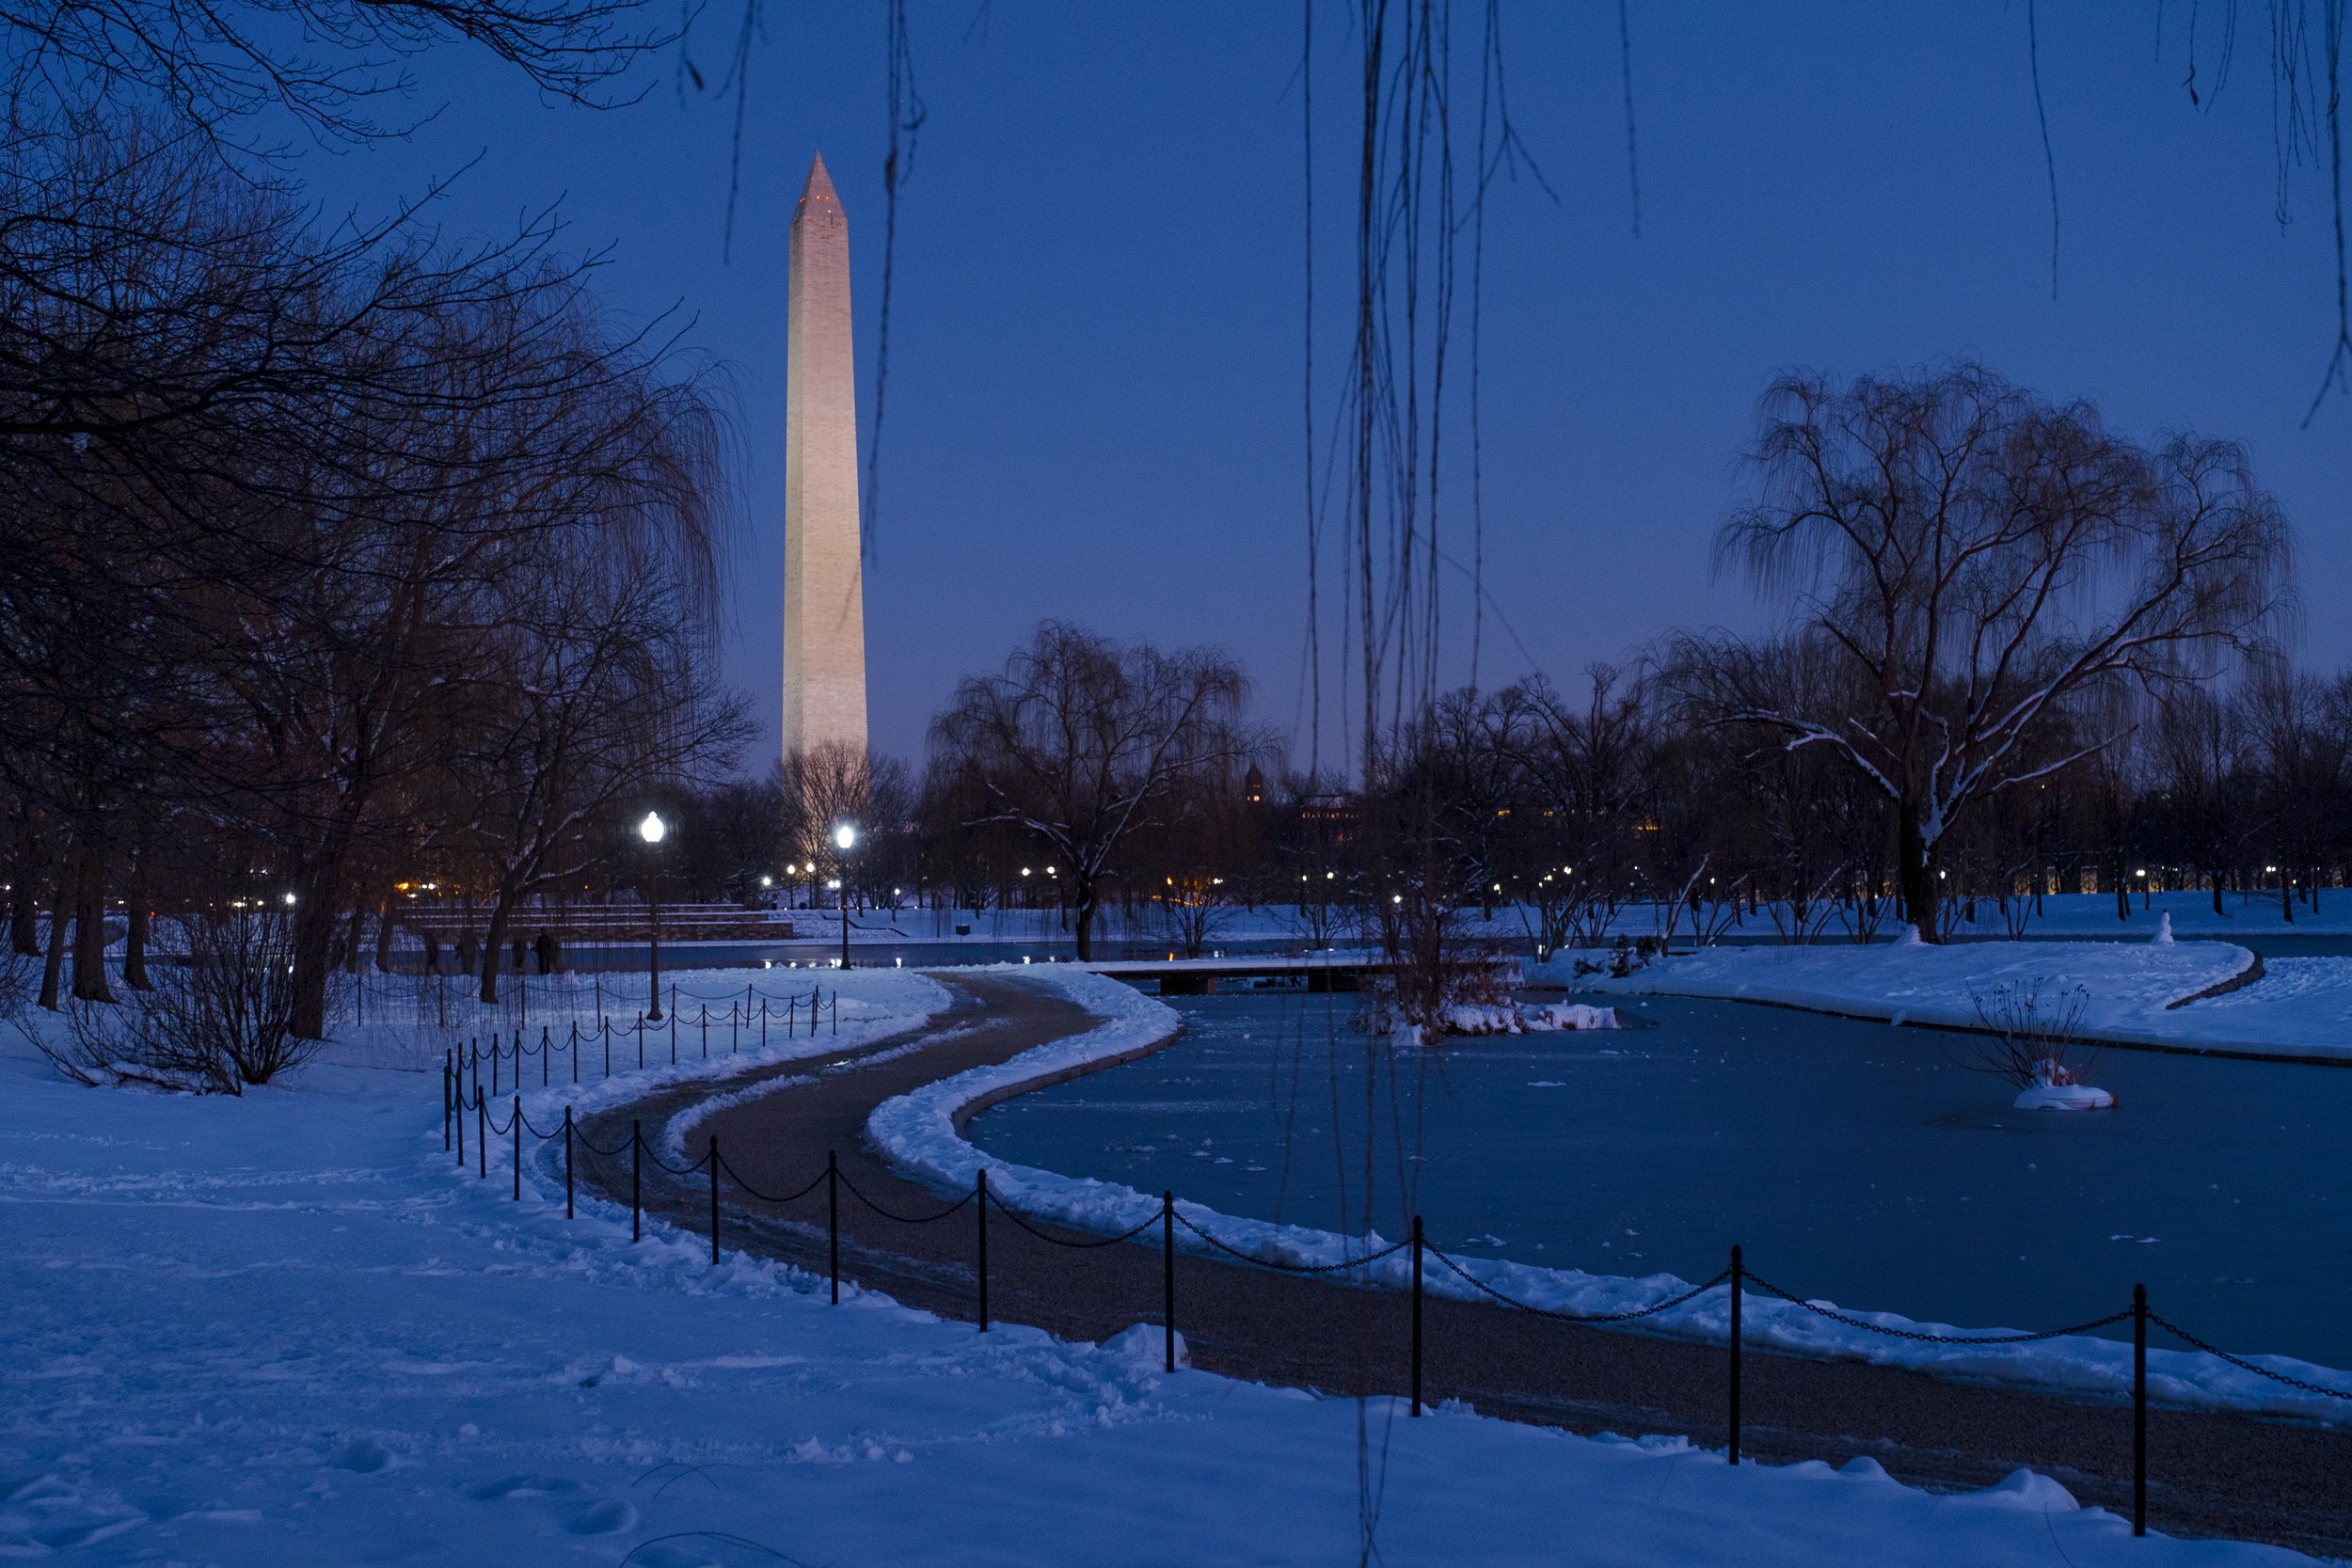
{"x":211,"y":1024}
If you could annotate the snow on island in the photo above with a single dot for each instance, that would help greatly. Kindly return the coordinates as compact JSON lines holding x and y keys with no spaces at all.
{"x":2054,"y":1089}
{"x":2139,"y":993}
{"x":1484,"y":1018}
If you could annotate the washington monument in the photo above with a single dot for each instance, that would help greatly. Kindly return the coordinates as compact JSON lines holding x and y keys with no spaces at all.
{"x":824,"y":594}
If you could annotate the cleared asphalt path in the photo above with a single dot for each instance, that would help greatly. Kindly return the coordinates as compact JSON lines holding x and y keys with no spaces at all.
{"x":2209,"y":1474}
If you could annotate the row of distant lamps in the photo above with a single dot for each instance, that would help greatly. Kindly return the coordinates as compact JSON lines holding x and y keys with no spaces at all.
{"x":653,"y":831}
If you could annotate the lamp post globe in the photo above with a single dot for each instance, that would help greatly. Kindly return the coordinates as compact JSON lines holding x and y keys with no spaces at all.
{"x":653,"y":831}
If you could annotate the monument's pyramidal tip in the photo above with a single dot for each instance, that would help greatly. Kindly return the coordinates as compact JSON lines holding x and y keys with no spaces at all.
{"x":819,"y":185}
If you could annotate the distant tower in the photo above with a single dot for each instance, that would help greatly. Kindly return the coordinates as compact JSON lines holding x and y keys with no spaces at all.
{"x":824,"y":594}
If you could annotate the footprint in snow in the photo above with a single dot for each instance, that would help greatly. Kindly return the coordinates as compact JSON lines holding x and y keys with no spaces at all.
{"x":520,"y":1487}
{"x":600,"y":1518}
{"x":362,"y":1456}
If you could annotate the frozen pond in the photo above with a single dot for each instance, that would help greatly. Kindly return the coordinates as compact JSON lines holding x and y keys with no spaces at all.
{"x":1856,"y":1162}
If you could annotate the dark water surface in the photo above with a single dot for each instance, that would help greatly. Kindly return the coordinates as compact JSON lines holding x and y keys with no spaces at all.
{"x":1855,"y":1161}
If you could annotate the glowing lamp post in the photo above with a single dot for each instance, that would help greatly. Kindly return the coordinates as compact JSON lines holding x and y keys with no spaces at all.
{"x":653,"y":831}
{"x":845,"y":840}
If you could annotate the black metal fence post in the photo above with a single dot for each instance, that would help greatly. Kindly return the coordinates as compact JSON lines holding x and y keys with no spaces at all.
{"x":980,"y":1211}
{"x":836,"y":1013}
{"x":636,"y":1180}
{"x":446,"y":1109}
{"x":1167,"y":1271}
{"x":546,"y":1051}
{"x":833,"y":1222}
{"x":461,"y":1119}
{"x":567,"y":1162}
{"x":519,"y":1149}
{"x":641,"y":1042}
{"x":2139,"y":1410}
{"x":1416,"y":1314}
{"x":1737,"y":1270}
{"x":494,"y":1053}
{"x":714,"y":1200}
{"x":481,"y":1138}
{"x":705,"y":1018}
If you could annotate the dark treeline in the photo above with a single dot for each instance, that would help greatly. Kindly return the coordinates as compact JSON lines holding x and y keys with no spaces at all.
{"x":2019,"y":653}
{"x":326,"y":554}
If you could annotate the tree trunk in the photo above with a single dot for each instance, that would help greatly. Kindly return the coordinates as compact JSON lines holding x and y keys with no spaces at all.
{"x":314,"y":926}
{"x":1916,"y":859}
{"x":2122,"y":894}
{"x":2286,"y":898}
{"x":53,"y":966}
{"x":384,"y":936}
{"x":135,"y":939}
{"x":502,"y":911}
{"x":1084,"y":925}
{"x":2217,"y":896}
{"x":90,"y":924}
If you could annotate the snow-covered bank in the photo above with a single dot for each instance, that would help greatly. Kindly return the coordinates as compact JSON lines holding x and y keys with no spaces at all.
{"x":921,"y":1132}
{"x":278,"y":1330}
{"x":2136,"y":992}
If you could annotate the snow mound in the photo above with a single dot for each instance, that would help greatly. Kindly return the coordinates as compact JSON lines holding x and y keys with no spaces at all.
{"x":1475,"y":1018}
{"x":2024,"y":1490}
{"x":2065,"y":1097}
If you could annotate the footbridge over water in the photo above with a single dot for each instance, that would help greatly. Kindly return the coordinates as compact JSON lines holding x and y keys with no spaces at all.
{"x":1178,"y":977}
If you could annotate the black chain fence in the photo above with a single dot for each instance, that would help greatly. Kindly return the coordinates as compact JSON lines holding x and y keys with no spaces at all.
{"x":463,"y":1093}
{"x":749,"y":1019}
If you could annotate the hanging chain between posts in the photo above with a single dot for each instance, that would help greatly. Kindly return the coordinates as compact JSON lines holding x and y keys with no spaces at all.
{"x":732,"y":1175}
{"x":852,"y":1188}
{"x":1290,"y":1268}
{"x":1019,"y":1219}
{"x":1649,"y":1311}
{"x":1921,"y":1335}
{"x":2243,"y":1364}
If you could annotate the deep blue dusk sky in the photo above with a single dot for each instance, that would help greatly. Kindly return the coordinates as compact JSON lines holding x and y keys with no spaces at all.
{"x":1095,"y":387}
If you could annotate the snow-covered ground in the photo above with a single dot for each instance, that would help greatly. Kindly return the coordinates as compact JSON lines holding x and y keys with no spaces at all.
{"x":2243,"y":917}
{"x":2299,"y":1007}
{"x":281,"y":1329}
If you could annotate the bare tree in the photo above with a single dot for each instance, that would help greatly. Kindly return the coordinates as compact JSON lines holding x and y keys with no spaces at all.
{"x":1081,"y":742}
{"x":1981,"y":560}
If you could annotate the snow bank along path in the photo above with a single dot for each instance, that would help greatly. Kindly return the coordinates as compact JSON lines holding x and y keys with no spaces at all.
{"x":922,"y":1133}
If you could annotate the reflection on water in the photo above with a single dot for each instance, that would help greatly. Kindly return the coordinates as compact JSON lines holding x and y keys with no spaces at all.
{"x":1854,"y":1161}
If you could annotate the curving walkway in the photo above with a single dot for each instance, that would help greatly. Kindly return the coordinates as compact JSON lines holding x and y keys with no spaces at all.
{"x":2209,"y":1474}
